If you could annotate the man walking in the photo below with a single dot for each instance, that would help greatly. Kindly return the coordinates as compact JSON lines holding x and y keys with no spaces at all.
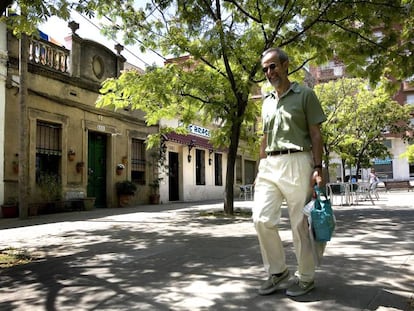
{"x":291,"y":163}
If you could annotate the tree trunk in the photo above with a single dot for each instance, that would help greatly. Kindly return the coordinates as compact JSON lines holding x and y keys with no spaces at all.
{"x":343,"y":170}
{"x":358,"y":167}
{"x":326,"y":160}
{"x":231,"y":162}
{"x":23,"y":130}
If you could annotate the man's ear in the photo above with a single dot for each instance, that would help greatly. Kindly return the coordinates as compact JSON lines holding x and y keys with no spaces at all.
{"x":285,"y":65}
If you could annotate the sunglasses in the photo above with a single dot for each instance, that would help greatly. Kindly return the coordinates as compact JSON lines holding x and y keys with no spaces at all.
{"x":271,"y":66}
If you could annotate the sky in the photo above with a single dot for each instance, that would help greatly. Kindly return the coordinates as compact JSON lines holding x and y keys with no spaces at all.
{"x":89,"y":29}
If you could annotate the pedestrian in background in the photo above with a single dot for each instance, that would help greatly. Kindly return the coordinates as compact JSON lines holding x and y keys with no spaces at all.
{"x":373,"y":178}
{"x":290,"y":164}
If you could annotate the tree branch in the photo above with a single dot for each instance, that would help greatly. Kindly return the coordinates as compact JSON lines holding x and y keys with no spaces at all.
{"x":354,"y":32}
{"x":237,"y":5}
{"x":310,"y":25}
{"x":302,"y":65}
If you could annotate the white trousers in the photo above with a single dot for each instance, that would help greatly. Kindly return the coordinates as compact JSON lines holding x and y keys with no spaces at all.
{"x":284,"y":177}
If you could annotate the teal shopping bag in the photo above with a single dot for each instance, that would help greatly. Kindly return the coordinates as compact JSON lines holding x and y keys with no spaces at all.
{"x":322,"y":216}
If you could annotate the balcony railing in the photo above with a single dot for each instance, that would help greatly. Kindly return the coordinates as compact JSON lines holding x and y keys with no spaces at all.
{"x":49,"y":55}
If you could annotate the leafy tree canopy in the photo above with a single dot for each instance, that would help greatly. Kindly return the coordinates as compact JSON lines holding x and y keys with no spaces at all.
{"x":409,"y":154}
{"x":225,"y":38}
{"x":358,"y":118}
{"x":240,"y":30}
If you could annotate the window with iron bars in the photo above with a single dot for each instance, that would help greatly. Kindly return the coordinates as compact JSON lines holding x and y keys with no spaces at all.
{"x":138,"y":161}
{"x":48,"y":150}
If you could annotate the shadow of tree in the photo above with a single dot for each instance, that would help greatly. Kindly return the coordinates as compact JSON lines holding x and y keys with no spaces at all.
{"x":180,"y":260}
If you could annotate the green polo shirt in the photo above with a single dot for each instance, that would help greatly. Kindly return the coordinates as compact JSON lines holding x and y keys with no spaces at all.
{"x":286,"y":119}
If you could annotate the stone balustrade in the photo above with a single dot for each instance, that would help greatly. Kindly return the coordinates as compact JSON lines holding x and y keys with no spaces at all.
{"x":50,"y":55}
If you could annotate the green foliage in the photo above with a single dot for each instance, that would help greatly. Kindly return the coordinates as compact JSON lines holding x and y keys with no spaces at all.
{"x":11,"y":201}
{"x":10,"y":257}
{"x":225,"y":40}
{"x":50,"y":187}
{"x":358,"y":117}
{"x":409,"y":154}
{"x":26,"y":15}
{"x":229,"y":36}
{"x":125,"y":187}
{"x":155,"y":185}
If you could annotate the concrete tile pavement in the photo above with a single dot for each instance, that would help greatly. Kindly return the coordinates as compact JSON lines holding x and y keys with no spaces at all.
{"x":169,"y":257}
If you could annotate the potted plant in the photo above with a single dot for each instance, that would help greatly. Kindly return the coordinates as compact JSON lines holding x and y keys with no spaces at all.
{"x":15,"y":164}
{"x":71,"y":154}
{"x":119,"y":168}
{"x":51,"y":191}
{"x":125,"y":190}
{"x":79,"y":166}
{"x":155,"y":191}
{"x":10,"y":208}
{"x":158,"y":168}
{"x":89,"y":203}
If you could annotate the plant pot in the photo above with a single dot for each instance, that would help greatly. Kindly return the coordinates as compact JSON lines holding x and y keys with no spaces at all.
{"x":124,"y":199}
{"x":34,"y":209}
{"x":10,"y":211}
{"x":79,"y":167}
{"x":154,"y":199}
{"x":119,"y":171}
{"x":89,"y":203}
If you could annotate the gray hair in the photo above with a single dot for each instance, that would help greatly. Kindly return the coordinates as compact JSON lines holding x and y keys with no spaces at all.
{"x":280,"y":54}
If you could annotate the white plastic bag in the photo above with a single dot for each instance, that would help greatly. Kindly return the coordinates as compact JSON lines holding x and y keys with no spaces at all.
{"x":318,"y":248}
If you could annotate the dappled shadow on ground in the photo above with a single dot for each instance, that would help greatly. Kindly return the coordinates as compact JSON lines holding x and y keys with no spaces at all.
{"x":184,"y":261}
{"x":7,"y":223}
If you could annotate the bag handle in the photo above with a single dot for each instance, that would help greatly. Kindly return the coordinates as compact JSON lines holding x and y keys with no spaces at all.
{"x":318,"y":191}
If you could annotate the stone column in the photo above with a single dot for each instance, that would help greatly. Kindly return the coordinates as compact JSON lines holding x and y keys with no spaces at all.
{"x":74,"y":43}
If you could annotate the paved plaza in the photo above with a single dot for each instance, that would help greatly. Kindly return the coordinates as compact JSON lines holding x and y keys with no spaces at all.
{"x":179,"y":257}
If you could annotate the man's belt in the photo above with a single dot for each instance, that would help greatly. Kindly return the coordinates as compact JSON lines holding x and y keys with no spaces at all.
{"x":280,"y":152}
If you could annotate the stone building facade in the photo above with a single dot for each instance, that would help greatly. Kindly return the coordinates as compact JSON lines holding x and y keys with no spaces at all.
{"x":72,"y":145}
{"x":76,"y":150}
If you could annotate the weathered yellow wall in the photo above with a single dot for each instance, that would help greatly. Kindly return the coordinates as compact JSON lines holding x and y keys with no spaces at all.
{"x":70,"y":101}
